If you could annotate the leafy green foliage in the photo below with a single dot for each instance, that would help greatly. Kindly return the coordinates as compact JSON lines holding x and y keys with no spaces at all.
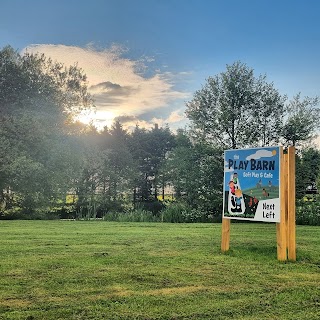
{"x":174,"y":212}
{"x":235,"y":109}
{"x":196,"y":172}
{"x":308,"y":212}
{"x":149,"y":150}
{"x":137,"y":215}
{"x":37,"y":98}
{"x":307,"y":170}
{"x":181,"y":212}
{"x":303,"y":120}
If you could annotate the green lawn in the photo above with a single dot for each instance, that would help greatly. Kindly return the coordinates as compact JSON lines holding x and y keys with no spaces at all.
{"x":102,"y":270}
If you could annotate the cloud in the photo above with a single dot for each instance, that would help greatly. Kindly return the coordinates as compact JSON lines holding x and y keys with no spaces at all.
{"x":174,"y":117}
{"x":125,"y":119}
{"x":105,"y":86}
{"x":317,"y":142}
{"x":118,"y":84}
{"x":130,"y":121}
{"x":260,"y":154}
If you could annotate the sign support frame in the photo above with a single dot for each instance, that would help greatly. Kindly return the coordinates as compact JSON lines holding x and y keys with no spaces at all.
{"x":286,"y":228}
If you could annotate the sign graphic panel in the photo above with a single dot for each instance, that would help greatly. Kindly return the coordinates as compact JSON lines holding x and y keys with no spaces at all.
{"x":252,"y":184}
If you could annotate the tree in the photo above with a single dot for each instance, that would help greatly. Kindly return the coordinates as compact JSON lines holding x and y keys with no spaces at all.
{"x":235,"y":109}
{"x":161,"y":142}
{"x":268,"y":113}
{"x":33,"y":83}
{"x":87,"y":180}
{"x":180,"y":165}
{"x":196,"y":172}
{"x":307,"y":170}
{"x":119,"y":169}
{"x":149,"y":149}
{"x":302,"y":120}
{"x":38,"y":98}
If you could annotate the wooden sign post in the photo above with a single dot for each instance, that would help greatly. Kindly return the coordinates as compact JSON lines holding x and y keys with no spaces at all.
{"x":276,"y":203}
{"x":286,"y":228}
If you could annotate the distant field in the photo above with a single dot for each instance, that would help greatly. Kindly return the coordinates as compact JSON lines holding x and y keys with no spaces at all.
{"x":102,"y":270}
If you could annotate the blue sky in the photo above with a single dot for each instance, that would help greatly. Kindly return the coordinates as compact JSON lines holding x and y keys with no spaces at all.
{"x":144,"y":59}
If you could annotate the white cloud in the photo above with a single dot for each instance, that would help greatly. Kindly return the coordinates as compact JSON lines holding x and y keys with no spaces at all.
{"x":260,"y":154}
{"x":117,"y":83}
{"x":174,"y":117}
{"x":317,"y":142}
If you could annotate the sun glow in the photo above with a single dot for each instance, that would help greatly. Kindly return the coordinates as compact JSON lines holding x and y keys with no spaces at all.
{"x":99,"y":119}
{"x":85,"y":117}
{"x":118,"y":85}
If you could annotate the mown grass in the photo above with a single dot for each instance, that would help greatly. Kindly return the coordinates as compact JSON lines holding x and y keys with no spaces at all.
{"x":105,"y":270}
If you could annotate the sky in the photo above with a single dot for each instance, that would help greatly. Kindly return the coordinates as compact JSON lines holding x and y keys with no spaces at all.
{"x":146,"y":58}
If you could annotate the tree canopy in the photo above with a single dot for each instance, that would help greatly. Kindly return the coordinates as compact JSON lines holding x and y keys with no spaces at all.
{"x":236,"y":109}
{"x":303,"y":120}
{"x":38,"y":97}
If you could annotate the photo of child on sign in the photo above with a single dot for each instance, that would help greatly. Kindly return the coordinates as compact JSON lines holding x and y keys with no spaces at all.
{"x":252,"y":184}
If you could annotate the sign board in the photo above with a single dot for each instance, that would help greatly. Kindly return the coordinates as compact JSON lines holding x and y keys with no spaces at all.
{"x":252,"y":184}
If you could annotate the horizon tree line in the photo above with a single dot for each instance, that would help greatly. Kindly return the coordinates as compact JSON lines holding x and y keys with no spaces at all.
{"x":50,"y":163}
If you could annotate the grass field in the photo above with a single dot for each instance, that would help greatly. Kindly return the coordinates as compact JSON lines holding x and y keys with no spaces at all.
{"x":102,"y":270}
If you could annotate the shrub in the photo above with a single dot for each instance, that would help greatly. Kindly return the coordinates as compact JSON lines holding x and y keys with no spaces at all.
{"x":12,"y":214}
{"x":153,"y":206}
{"x":139,"y":215}
{"x":173,"y":212}
{"x":308,"y":213}
{"x":17,"y":213}
{"x":194,"y":215}
{"x":178,"y":212}
{"x":66,"y":212}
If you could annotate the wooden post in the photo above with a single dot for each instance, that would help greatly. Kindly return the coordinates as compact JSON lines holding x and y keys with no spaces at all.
{"x":225,"y":236}
{"x":284,"y":184}
{"x":291,"y":196}
{"x":281,"y":226}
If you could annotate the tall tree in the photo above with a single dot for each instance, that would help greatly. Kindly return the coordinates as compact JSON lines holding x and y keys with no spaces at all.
{"x":149,"y":150}
{"x":139,"y":146}
{"x":119,"y":168}
{"x":87,"y":181}
{"x":267,"y":113}
{"x":303,"y":120}
{"x":235,"y":109}
{"x":196,"y":172}
{"x":307,"y":170}
{"x":37,"y":98}
{"x":161,"y":142}
{"x":34,"y":83}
